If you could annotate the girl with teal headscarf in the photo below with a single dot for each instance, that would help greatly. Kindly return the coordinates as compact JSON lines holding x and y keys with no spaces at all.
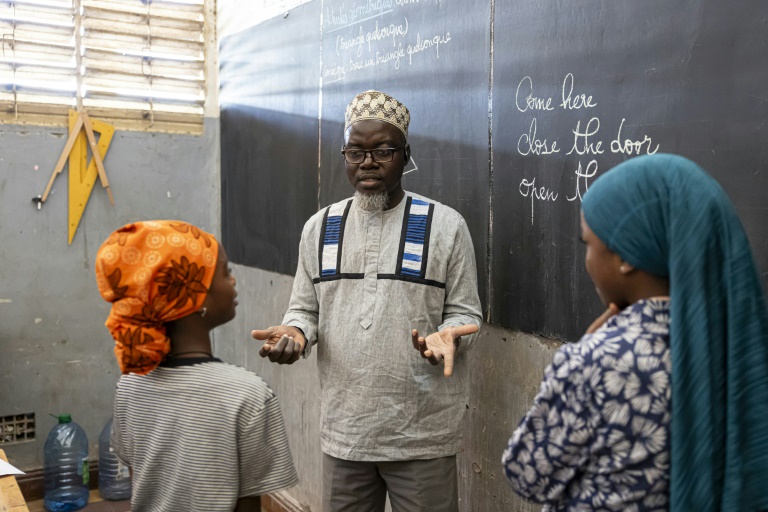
{"x":651,"y":224}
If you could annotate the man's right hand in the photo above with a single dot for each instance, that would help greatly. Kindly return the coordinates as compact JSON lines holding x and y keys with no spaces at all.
{"x":283,"y":344}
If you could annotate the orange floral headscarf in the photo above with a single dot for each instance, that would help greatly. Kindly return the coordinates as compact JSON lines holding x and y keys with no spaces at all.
{"x":152,"y":272}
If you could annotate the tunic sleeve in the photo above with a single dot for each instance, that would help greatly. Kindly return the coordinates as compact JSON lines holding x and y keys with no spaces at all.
{"x":553,"y":440}
{"x":462,"y":304}
{"x":303,"y":309}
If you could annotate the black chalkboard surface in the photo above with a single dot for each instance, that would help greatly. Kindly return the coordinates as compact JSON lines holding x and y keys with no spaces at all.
{"x":624,"y":78}
{"x":269,"y":125}
{"x":516,"y":107}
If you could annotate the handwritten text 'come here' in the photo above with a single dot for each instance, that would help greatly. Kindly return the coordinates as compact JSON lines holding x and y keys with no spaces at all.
{"x":585,"y":139}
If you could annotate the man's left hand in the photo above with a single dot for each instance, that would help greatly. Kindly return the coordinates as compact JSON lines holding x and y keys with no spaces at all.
{"x":441,"y":346}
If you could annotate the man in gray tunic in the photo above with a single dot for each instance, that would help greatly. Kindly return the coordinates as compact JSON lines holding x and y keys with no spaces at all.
{"x":374,"y":271}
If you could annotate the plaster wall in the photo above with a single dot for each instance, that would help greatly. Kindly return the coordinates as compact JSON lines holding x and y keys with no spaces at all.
{"x":55,"y":353}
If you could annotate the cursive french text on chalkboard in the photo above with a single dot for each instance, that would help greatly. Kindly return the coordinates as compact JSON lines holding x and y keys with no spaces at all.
{"x":586,"y":138}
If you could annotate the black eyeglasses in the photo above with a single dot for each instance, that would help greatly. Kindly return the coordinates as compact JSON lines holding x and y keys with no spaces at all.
{"x":379,"y":155}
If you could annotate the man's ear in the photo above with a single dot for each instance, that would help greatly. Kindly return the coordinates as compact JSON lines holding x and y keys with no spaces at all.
{"x":407,"y":153}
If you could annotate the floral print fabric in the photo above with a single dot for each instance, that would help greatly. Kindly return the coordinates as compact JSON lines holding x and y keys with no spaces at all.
{"x":152,"y":272}
{"x":597,"y":436}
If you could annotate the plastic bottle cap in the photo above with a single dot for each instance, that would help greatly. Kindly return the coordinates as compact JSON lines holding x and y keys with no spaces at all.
{"x":63,"y":418}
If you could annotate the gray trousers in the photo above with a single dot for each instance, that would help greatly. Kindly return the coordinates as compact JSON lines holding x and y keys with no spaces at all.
{"x":413,"y":485}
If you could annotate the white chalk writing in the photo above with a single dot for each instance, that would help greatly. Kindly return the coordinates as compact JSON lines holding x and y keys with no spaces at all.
{"x":590,"y":172}
{"x":632,"y":147}
{"x":529,"y":101}
{"x":376,"y":33}
{"x":528,"y":143}
{"x":528,"y":188}
{"x":346,"y":14}
{"x":571,"y":102}
{"x":587,"y":138}
{"x":582,"y":143}
{"x":366,"y":38}
{"x":428,"y":44}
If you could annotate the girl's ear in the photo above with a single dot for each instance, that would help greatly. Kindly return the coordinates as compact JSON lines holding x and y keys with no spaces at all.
{"x":626,"y":268}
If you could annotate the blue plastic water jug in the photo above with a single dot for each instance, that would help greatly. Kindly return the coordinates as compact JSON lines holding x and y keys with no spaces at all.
{"x":66,"y":467}
{"x":114,"y":476}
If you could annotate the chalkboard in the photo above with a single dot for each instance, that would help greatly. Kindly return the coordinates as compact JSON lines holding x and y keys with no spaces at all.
{"x":624,"y":78}
{"x":269,"y":125}
{"x":516,"y":107}
{"x":427,"y":54}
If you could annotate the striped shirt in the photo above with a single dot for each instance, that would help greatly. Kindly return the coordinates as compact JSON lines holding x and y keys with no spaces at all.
{"x":199,"y":434}
{"x":364,"y":280}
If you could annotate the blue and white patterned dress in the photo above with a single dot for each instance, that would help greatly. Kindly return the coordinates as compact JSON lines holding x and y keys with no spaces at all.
{"x":597,"y":436}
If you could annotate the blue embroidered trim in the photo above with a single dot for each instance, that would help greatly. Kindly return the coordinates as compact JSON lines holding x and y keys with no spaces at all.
{"x":331,"y":242}
{"x":414,"y":244}
{"x":331,"y":238}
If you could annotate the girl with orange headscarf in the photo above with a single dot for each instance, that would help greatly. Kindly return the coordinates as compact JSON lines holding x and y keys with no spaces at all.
{"x":198,"y":434}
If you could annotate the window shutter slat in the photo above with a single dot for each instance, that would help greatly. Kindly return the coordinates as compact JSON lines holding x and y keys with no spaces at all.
{"x":138,"y":86}
{"x":137,"y":107}
{"x":105,"y":62}
{"x":57,"y":4}
{"x":38,"y":15}
{"x":135,"y":64}
{"x":38,"y":64}
{"x":39,"y":55}
{"x":141,"y":28}
{"x":131,"y":44}
{"x":157,"y":10}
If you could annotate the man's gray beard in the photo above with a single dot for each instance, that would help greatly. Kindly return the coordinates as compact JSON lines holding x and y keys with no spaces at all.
{"x":372,"y":202}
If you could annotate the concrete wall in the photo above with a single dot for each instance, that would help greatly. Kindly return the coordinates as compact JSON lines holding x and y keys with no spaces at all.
{"x":55,"y":353}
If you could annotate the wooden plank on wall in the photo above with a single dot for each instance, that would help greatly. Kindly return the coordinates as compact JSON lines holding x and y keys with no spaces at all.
{"x":11,"y":499}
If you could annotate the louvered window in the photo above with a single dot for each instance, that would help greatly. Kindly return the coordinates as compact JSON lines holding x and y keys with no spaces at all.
{"x":133,"y":63}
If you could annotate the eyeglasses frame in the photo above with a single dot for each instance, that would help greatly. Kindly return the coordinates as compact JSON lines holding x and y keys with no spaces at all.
{"x":367,"y":152}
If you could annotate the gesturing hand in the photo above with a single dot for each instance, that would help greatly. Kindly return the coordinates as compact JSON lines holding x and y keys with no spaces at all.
{"x":283,"y":344}
{"x":599,"y":321}
{"x":441,"y":346}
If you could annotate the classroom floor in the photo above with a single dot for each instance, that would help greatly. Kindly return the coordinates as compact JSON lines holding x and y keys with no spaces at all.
{"x":95,"y":504}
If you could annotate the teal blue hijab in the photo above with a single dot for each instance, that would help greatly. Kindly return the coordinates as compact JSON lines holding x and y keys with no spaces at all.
{"x":665,"y":215}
